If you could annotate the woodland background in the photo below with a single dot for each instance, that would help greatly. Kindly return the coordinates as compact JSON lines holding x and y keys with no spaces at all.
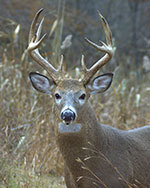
{"x":29,"y":156}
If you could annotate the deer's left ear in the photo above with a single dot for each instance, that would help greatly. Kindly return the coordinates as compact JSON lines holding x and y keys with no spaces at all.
{"x":100,"y":83}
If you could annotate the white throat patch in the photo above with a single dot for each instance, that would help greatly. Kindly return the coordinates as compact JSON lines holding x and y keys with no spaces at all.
{"x":71,"y":128}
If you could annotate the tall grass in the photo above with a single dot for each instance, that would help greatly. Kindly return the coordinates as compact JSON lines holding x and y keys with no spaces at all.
{"x":29,"y":156}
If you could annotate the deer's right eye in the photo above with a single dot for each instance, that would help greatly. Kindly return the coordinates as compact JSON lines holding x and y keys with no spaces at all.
{"x":82,"y":97}
{"x":57,"y":96}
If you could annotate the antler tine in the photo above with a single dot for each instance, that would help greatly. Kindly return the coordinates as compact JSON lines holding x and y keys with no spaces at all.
{"x":33,"y":24}
{"x":106,"y":48}
{"x":83,"y":64}
{"x":107,"y":30}
{"x":34,"y":42}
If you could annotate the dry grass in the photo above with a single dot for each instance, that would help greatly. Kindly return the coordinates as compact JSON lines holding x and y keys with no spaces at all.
{"x":27,"y":143}
{"x":29,"y":156}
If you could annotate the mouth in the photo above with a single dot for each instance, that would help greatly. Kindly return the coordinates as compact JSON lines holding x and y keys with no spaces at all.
{"x":67,"y":122}
{"x":67,"y":127}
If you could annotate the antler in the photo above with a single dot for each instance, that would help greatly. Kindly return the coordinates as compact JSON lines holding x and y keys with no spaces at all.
{"x":34,"y":43}
{"x":107,"y":48}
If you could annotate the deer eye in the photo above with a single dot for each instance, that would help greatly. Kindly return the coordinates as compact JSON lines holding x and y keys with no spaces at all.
{"x":82,"y":97}
{"x":57,"y":96}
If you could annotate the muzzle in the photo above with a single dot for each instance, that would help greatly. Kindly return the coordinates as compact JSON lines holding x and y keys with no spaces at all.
{"x":68,"y":116}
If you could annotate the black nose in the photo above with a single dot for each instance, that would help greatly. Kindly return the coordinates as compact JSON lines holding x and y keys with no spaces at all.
{"x":68,"y":115}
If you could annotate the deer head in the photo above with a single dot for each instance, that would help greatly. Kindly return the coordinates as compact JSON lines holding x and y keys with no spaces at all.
{"x":70,"y":95}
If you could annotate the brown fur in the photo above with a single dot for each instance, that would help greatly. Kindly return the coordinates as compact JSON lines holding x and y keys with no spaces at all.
{"x":95,"y":155}
{"x":107,"y":148}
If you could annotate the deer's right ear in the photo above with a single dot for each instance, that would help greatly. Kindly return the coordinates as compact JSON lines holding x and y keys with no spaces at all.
{"x":41,"y":82}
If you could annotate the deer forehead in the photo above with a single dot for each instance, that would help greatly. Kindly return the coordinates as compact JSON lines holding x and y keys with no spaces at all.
{"x":70,"y":85}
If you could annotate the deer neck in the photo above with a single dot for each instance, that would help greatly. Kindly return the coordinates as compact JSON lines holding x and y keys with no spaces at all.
{"x":72,"y":144}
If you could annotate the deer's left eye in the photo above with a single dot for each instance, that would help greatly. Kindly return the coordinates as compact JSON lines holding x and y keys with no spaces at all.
{"x":57,"y":96}
{"x":82,"y":97}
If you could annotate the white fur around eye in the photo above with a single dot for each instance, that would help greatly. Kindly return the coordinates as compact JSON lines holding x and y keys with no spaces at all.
{"x":81,"y":102}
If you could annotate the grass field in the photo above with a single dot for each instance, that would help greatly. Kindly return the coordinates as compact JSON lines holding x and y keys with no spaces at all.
{"x":29,"y":156}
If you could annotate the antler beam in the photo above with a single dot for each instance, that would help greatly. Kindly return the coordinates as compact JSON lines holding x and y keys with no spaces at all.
{"x":106,"y":48}
{"x":34,"y":43}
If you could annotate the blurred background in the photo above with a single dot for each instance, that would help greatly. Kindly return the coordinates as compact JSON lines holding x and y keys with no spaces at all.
{"x":29,"y":156}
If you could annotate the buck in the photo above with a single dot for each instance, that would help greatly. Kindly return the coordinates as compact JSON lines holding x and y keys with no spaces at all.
{"x":95,"y":155}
